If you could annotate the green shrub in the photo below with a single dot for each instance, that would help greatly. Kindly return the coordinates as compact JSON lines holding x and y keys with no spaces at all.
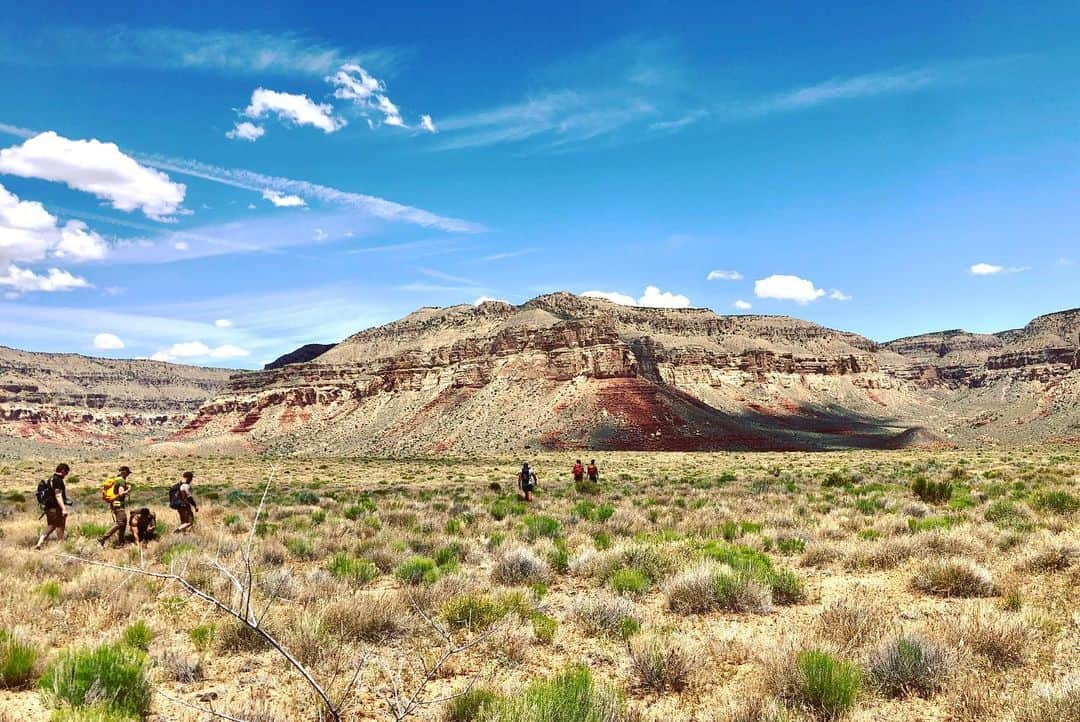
{"x":417,"y":570}
{"x":449,"y":556}
{"x":91,"y":530}
{"x":538,"y":526}
{"x":544,"y":627}
{"x":474,"y":611}
{"x":306,"y":498}
{"x":50,"y":590}
{"x":175,"y":551}
{"x":352,"y":569}
{"x":470,"y":706}
{"x":559,"y":557}
{"x":827,"y":685}
{"x":791,"y":545}
{"x":17,"y":661}
{"x":932,"y":492}
{"x":111,"y":675}
{"x":603,"y":512}
{"x":629,"y":581}
{"x":570,"y":696}
{"x":1058,"y":502}
{"x":300,"y":548}
{"x":611,"y":616}
{"x":1007,"y":515}
{"x":202,"y":636}
{"x":138,"y":636}
{"x":602,"y":540}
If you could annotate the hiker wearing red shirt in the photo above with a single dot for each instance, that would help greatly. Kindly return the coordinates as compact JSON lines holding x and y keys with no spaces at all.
{"x":579,"y":471}
{"x":594,"y":473}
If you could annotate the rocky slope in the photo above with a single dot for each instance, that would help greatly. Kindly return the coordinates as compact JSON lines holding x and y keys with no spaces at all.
{"x":69,"y":400}
{"x":563,"y":371}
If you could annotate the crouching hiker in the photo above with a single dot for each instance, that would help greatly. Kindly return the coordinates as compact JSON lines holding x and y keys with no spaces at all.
{"x":114,"y":492}
{"x":181,"y":499}
{"x":52,"y":496}
{"x":143,"y":526}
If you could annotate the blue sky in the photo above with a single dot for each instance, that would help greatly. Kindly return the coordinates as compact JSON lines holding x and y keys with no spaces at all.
{"x":220,"y":185}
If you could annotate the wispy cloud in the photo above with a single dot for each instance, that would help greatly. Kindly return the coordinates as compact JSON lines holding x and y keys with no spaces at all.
{"x":441,"y":276}
{"x":237,"y":53}
{"x":509,"y":254}
{"x":838,"y":89}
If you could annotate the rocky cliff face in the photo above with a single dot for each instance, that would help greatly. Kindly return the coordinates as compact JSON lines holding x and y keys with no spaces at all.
{"x":72,"y":400}
{"x":568,"y":372}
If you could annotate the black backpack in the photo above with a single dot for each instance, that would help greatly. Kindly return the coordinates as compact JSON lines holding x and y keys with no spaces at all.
{"x":46,"y":495}
{"x":175,"y":501}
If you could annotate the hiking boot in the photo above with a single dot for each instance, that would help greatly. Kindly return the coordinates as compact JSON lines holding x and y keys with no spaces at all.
{"x":101,"y":542}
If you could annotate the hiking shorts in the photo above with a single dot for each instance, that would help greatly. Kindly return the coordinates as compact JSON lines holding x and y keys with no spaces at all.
{"x":187,"y":516}
{"x":55,"y":518}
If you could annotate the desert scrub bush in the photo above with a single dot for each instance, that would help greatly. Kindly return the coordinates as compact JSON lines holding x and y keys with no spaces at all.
{"x":750,"y":565}
{"x":365,"y":618}
{"x":1058,"y":502}
{"x":1004,"y":642}
{"x":18,"y":660}
{"x":417,"y":570}
{"x":1052,"y":703}
{"x":1051,"y":558}
{"x":237,"y":638}
{"x":710,"y":586}
{"x":661,"y":665}
{"x":629,"y":581}
{"x":954,"y":578}
{"x":610,"y":616}
{"x":353,"y":570}
{"x":932,"y":492}
{"x":570,"y":696}
{"x":138,"y":635}
{"x":909,"y":665}
{"x":469,"y":706}
{"x":821,"y":683}
{"x":202,"y":636}
{"x":477,"y":612}
{"x":1005,"y":514}
{"x":852,"y":623}
{"x":540,"y":526}
{"x":520,"y":567}
{"x":111,"y":675}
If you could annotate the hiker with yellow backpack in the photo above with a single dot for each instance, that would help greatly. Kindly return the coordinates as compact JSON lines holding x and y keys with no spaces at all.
{"x":114,"y":492}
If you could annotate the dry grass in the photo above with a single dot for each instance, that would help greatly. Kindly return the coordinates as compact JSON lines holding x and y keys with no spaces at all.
{"x":671,"y":547}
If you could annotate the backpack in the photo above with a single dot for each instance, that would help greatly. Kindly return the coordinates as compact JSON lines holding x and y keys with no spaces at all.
{"x":45,"y":494}
{"x":110,"y":490}
{"x":175,"y":501}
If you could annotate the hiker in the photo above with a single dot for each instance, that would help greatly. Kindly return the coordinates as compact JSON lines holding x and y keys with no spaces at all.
{"x":527,"y":481}
{"x":579,"y":472}
{"x":52,"y":496}
{"x":181,"y":499}
{"x":593,"y":472}
{"x":143,"y":526}
{"x":114,"y":492}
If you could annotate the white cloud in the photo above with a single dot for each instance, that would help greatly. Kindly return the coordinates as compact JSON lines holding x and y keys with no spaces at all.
{"x":108,"y":342}
{"x":787,"y":288}
{"x":284,"y":201}
{"x":198,"y":349}
{"x":368,"y":93}
{"x":23,"y":280}
{"x":724,"y":276}
{"x":246,"y":131}
{"x":79,"y":243}
{"x":320,"y":235}
{"x":486,"y":299}
{"x":653,"y":297}
{"x":295,"y":108}
{"x":181,"y":245}
{"x":100,"y":169}
{"x":743,"y":305}
{"x":860,"y":86}
{"x":223,"y":323}
{"x":985,"y":269}
{"x":614,"y":296}
{"x":258,"y":182}
{"x":837,"y":295}
{"x":29,"y":233}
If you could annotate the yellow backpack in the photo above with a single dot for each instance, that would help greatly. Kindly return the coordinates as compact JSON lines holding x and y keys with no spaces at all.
{"x":110,"y":489}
